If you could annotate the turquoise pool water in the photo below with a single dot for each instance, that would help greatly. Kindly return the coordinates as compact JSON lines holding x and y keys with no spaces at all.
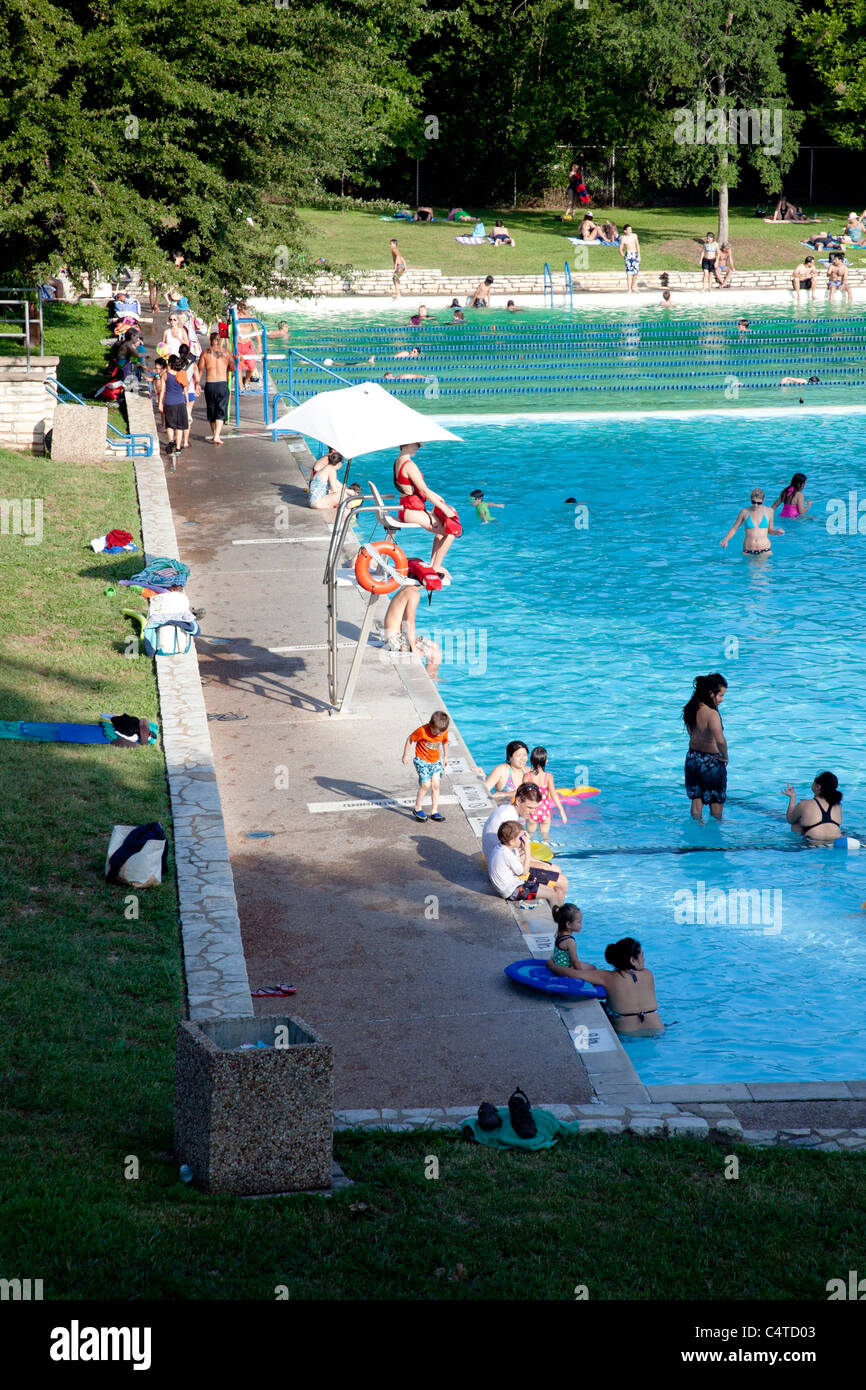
{"x":692,"y":357}
{"x":587,"y":640}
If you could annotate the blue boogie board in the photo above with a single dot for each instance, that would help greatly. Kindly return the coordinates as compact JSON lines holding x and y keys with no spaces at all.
{"x":534,"y":974}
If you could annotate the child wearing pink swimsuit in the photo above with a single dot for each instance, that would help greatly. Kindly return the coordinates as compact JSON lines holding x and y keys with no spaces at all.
{"x":791,"y":497}
{"x":537,"y":773}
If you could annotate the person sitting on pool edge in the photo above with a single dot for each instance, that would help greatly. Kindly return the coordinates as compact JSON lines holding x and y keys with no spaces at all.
{"x":525,"y":798}
{"x":509,"y":869}
{"x":565,"y":960}
{"x":631,"y":1002}
{"x":809,"y":817}
{"x":508,"y":776}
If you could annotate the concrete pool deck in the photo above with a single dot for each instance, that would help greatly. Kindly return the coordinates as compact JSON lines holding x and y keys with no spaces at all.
{"x":405,"y":980}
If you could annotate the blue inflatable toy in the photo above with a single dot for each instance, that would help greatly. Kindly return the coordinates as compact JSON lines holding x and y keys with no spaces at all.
{"x":534,"y":974}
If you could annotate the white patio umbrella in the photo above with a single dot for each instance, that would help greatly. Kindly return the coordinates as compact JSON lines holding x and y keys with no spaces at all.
{"x":360,"y":420}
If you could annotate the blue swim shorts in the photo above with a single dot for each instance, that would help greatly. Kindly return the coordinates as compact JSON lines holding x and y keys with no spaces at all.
{"x":427,"y":771}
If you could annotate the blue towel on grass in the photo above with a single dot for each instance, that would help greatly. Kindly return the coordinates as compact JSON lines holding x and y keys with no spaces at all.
{"x":549,"y":1130}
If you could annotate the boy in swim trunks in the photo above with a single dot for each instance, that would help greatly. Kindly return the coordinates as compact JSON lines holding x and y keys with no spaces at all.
{"x":430,"y":760}
{"x":482,"y":508}
{"x":804,"y":277}
{"x":629,"y":249}
{"x":837,"y":278}
{"x":399,"y":266}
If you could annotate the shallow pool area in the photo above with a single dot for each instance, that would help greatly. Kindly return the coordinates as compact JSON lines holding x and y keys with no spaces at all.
{"x":581,"y":625}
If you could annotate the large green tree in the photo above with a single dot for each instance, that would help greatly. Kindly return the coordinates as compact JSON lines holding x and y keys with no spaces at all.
{"x":718,"y":91}
{"x":833,"y":44}
{"x":129,"y":131}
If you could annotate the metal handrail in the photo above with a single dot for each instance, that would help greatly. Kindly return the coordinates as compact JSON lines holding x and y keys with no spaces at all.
{"x":233,"y":314}
{"x":23,"y":295}
{"x":548,"y":280}
{"x":568,"y":285}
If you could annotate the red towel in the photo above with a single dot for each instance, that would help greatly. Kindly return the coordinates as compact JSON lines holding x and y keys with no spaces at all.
{"x":117,"y":538}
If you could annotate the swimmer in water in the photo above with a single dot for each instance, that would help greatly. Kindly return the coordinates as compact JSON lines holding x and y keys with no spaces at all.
{"x":631,"y":1003}
{"x":743,"y":325}
{"x":811,"y":817}
{"x":791,"y":498}
{"x":482,"y":508}
{"x":758,"y":520}
{"x":800,"y":381}
{"x":706,"y":769}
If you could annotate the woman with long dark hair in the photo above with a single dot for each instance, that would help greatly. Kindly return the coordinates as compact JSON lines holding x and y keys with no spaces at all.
{"x":791,"y":498}
{"x":812,"y":817}
{"x":631,"y":1002}
{"x":706,"y":767}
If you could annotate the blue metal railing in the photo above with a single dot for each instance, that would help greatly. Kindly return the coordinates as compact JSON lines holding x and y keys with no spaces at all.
{"x":136,"y":445}
{"x":569,"y":288}
{"x":548,"y":280}
{"x":262,"y":365}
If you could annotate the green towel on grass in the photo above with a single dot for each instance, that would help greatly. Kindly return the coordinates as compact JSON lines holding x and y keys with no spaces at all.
{"x":549,"y":1130}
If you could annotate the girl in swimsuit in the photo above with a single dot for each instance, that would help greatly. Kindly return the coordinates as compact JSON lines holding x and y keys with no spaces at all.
{"x":811,"y":817}
{"x":631,"y":991}
{"x":325,"y":486}
{"x":791,"y":498}
{"x":709,"y":252}
{"x":759,"y":526}
{"x":539,"y":776}
{"x":507,"y":777}
{"x":565,"y":961}
{"x":414,"y":496}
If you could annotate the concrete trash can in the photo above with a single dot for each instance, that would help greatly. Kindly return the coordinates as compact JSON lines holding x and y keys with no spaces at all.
{"x":257,"y":1119}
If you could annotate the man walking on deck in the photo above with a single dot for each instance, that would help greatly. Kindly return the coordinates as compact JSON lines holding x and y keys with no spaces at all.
{"x":215,"y":364}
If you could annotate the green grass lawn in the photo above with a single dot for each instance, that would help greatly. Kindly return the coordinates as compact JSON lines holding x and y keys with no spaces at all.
{"x":670,"y":239}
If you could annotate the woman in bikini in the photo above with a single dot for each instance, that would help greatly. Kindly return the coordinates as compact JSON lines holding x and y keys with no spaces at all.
{"x":791,"y":498}
{"x":538,"y":776}
{"x":508,"y":776}
{"x":759,"y":526}
{"x":814,"y":817}
{"x":709,"y":254}
{"x":706,"y":770}
{"x":631,"y":1002}
{"x":414,"y":496}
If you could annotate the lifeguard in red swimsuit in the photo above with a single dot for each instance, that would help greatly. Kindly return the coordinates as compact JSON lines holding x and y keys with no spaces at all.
{"x":443,"y":521}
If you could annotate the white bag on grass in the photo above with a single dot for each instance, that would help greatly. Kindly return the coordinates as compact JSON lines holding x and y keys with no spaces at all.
{"x":137,"y":855}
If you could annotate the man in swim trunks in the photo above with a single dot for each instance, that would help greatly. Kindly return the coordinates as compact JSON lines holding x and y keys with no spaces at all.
{"x":215,"y":364}
{"x":399,"y":266}
{"x":805,"y":278}
{"x":629,"y":249}
{"x":837,"y":278}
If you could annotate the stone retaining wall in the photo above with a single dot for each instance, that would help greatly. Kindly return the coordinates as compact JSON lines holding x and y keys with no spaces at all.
{"x":433,"y":282}
{"x":26,"y":408}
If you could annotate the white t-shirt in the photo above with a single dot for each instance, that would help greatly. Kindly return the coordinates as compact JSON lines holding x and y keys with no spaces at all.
{"x":505,"y":869}
{"x":489,"y":835}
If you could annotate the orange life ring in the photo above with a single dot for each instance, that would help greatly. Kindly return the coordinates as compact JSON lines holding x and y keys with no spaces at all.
{"x":364,"y":561}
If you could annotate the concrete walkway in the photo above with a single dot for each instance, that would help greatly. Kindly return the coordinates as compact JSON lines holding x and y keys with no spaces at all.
{"x":386,"y":927}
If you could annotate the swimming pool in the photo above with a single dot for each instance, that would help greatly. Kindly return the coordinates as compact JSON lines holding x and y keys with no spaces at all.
{"x":583,"y":631}
{"x":693,"y":357}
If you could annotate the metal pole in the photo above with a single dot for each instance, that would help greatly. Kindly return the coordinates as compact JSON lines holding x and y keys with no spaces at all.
{"x":514,"y":204}
{"x":613,"y":179}
{"x":417,"y":183}
{"x":27,"y":327}
{"x":811,"y":168}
